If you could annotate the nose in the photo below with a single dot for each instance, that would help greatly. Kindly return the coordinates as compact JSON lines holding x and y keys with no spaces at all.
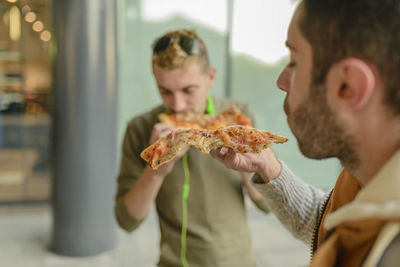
{"x":283,"y":81}
{"x":178,"y":104}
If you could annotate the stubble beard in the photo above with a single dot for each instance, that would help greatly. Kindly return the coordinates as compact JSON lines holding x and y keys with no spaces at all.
{"x":318,"y":134}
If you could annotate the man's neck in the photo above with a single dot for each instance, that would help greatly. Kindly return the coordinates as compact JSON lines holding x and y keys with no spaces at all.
{"x":378,"y":147}
{"x":370,"y":164}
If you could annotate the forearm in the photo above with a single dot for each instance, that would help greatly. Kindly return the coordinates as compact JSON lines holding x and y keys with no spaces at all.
{"x":139,"y":199}
{"x":295,"y":203}
{"x":251,"y":191}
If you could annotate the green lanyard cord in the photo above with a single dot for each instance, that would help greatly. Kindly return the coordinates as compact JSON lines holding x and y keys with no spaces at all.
{"x":210,"y":105}
{"x":185,"y":195}
{"x":185,"y":191}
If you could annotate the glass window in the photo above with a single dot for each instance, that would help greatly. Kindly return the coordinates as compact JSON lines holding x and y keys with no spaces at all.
{"x":139,"y":23}
{"x":25,"y":87}
{"x":259,"y":55}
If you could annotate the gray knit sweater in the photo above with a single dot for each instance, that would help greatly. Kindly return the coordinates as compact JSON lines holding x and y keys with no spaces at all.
{"x":297,"y":205}
{"x":294,"y":203}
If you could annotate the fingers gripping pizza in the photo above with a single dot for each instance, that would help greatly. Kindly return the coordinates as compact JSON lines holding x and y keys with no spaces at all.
{"x":240,"y":138}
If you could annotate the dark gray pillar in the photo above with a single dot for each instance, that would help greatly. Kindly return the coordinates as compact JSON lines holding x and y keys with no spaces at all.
{"x":85,"y":126}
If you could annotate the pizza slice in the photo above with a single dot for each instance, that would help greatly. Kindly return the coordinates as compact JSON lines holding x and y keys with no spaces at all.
{"x":231,"y":116}
{"x":241,"y":139}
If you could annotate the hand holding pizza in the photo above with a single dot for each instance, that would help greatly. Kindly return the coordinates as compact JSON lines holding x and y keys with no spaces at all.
{"x":264,"y":163}
{"x":160,"y":130}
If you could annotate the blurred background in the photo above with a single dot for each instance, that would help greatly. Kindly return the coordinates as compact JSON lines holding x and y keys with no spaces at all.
{"x":42,"y":90}
{"x":25,"y":92}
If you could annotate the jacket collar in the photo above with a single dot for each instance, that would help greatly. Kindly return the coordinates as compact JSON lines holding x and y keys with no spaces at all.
{"x":380,"y":198}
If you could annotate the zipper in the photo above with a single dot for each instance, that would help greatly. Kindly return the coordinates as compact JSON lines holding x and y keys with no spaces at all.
{"x":314,"y":237}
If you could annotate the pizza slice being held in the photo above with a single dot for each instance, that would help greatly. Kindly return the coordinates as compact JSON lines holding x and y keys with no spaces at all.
{"x":192,"y":120}
{"x":233,"y":116}
{"x":241,"y":139}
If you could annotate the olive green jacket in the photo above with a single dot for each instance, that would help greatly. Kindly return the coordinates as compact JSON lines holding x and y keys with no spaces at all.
{"x":218,"y":233}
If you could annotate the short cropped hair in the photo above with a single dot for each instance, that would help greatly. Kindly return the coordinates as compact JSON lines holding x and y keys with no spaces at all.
{"x":365,"y":29}
{"x":175,"y":57}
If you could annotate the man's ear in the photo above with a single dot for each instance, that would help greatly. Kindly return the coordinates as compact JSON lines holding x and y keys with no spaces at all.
{"x":351,"y":82}
{"x":212,"y":75}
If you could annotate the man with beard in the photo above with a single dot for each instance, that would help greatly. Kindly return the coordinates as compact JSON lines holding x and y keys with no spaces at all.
{"x":342,"y":100}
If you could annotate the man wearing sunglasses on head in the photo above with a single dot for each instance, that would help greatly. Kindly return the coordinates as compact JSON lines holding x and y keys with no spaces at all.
{"x":217,"y":229}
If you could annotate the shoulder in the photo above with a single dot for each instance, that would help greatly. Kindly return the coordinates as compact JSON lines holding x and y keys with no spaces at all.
{"x":386,"y":250}
{"x":391,"y":256}
{"x":146,"y":119}
{"x":139,"y":128}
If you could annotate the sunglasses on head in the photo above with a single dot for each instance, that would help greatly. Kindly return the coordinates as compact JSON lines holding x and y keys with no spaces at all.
{"x":188,"y":44}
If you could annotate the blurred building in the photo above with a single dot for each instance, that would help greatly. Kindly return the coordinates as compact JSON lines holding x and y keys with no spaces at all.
{"x":26,"y":47}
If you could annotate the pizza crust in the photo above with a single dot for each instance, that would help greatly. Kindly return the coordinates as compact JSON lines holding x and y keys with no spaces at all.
{"x":231,"y":116}
{"x":241,"y":139}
